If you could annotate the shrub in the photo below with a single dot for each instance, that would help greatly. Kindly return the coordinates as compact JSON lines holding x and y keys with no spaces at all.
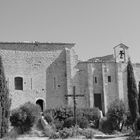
{"x":88,"y":133}
{"x":24,"y":117}
{"x":69,"y":122}
{"x":82,"y":122}
{"x":60,"y":113}
{"x":128,"y":121}
{"x":68,"y":132}
{"x":116,"y":114}
{"x":138,"y":123}
{"x":63,"y":115}
{"x":54,"y":135}
{"x":91,"y":114}
{"x":48,"y":117}
{"x":106,"y":125}
{"x":58,"y":124}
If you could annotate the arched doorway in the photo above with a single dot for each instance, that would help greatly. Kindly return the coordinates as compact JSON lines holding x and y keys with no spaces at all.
{"x":40,"y":102}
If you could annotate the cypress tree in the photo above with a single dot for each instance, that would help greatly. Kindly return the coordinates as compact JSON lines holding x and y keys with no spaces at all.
{"x":139,"y":97}
{"x":4,"y":103}
{"x":132,"y":93}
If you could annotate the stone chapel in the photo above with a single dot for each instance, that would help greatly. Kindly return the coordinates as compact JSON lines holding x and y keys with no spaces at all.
{"x":44,"y":73}
{"x":104,"y":79}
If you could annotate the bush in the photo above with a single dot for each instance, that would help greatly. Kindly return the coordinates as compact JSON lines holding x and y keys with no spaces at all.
{"x":64,"y":114}
{"x":91,"y":114}
{"x":58,"y":124}
{"x":116,"y":114}
{"x":106,"y":125}
{"x":88,"y":133}
{"x":48,"y":117}
{"x":60,"y":113}
{"x":65,"y":133}
{"x":82,"y":122}
{"x":128,"y":121}
{"x":69,"y":122}
{"x":138,"y":123}
{"x":24,"y":117}
{"x":68,"y":132}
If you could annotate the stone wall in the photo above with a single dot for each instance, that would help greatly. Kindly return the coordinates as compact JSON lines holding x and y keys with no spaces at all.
{"x":43,"y":69}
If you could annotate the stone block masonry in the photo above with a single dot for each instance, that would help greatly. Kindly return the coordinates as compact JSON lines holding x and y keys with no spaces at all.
{"x":43,"y":70}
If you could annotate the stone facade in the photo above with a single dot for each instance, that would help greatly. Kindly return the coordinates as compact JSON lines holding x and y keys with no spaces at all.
{"x":43,"y":69}
{"x":104,"y":79}
{"x":44,"y":73}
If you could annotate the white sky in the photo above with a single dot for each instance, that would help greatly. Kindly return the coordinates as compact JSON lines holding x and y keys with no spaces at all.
{"x":96,"y":26}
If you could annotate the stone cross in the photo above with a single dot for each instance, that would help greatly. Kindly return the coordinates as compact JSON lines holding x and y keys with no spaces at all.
{"x":74,"y":103}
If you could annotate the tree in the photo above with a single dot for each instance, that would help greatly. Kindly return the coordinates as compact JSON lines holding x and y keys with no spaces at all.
{"x":132,"y":93}
{"x":139,"y":98}
{"x":4,"y":103}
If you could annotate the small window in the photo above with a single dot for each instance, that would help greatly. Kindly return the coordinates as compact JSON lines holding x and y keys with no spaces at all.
{"x":95,"y":79}
{"x":18,"y":83}
{"x":109,"y":78}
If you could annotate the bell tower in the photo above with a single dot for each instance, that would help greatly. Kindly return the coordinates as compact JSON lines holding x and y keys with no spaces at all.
{"x":121,"y":53}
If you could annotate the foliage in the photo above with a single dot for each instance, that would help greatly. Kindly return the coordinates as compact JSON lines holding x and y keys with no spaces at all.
{"x":4,"y":102}
{"x":88,"y":133}
{"x":58,"y":124}
{"x":24,"y":117}
{"x":48,"y":117}
{"x":65,"y":133}
{"x":54,"y":135}
{"x":128,"y":121}
{"x":82,"y":122}
{"x":106,"y":126}
{"x":12,"y":135}
{"x":92,"y":115}
{"x":116,"y":114}
{"x":63,"y":115}
{"x":69,"y":122}
{"x":139,"y":99}
{"x":138,"y":123}
{"x":69,"y":132}
{"x":60,"y":113}
{"x":132,"y":92}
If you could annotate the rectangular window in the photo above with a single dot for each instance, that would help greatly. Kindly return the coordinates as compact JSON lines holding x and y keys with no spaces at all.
{"x":95,"y":79}
{"x":18,"y":83}
{"x":109,"y":78}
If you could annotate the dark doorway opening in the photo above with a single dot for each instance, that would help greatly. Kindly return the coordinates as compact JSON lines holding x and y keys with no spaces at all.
{"x":40,"y":102}
{"x":98,"y":101}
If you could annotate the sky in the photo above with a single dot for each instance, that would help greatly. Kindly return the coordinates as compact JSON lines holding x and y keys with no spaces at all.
{"x":96,"y":26}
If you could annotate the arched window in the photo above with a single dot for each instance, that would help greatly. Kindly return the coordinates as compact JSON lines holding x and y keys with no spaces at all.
{"x":18,"y":83}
